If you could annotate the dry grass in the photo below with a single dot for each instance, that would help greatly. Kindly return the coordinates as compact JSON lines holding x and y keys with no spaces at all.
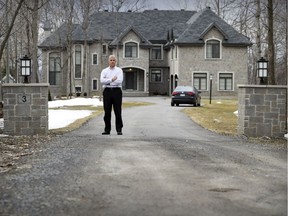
{"x":218,"y":116}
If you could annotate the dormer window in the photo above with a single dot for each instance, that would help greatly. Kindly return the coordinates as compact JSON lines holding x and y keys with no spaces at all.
{"x":213,"y":49}
{"x":131,"y":50}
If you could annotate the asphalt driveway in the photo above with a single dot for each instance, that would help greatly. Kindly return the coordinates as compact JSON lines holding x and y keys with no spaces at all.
{"x":164,"y":164}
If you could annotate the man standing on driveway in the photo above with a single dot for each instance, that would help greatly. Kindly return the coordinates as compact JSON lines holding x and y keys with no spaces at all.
{"x":111,"y":79}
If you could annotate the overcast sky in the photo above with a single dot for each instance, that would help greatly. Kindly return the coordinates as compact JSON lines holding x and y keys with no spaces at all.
{"x":172,"y":4}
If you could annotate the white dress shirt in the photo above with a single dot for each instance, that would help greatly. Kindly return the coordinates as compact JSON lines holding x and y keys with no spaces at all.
{"x":108,"y":73}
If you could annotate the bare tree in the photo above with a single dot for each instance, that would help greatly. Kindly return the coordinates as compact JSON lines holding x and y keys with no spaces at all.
{"x":87,"y":7}
{"x":35,"y":27}
{"x":10,"y":25}
{"x":271,"y":52}
{"x":124,"y":5}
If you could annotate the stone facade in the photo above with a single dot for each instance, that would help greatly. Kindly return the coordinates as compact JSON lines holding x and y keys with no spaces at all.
{"x":232,"y":60}
{"x":262,"y":110}
{"x":25,"y":109}
{"x":157,"y":51}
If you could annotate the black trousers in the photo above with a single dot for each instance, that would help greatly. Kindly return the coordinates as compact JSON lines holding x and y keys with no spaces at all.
{"x":112,"y":97}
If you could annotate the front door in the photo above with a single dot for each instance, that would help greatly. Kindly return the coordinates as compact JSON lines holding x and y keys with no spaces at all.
{"x":130,"y":80}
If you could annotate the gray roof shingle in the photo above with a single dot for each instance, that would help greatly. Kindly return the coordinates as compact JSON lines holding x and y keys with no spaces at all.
{"x":204,"y":20}
{"x":151,"y":25}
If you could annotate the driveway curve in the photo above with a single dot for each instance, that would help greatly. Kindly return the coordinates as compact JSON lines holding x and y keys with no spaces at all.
{"x":163,"y":164}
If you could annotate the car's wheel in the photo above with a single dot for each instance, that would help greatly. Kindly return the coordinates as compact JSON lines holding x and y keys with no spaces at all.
{"x":177,"y":104}
{"x":172,"y":104}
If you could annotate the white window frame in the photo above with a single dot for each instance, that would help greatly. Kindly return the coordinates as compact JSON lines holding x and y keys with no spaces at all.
{"x":92,"y":57}
{"x":106,"y":48}
{"x":92,"y":86}
{"x":220,"y":49}
{"x":207,"y":79}
{"x":74,"y":56}
{"x":78,"y":86}
{"x":124,"y":50}
{"x":57,"y":73}
{"x":233,"y":81}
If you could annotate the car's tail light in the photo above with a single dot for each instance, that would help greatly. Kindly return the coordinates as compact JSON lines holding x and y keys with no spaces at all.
{"x":190,"y":93}
{"x":174,"y":93}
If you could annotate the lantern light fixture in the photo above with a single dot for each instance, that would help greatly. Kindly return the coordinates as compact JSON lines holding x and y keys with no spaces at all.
{"x":262,"y":70}
{"x":25,"y":68}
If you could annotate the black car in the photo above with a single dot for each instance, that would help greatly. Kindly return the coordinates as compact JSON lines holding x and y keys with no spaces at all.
{"x":186,"y":95}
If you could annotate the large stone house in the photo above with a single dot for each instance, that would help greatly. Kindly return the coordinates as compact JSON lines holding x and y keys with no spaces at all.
{"x":156,"y":49}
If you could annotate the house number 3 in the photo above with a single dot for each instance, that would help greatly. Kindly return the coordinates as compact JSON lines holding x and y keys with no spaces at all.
{"x":24,"y":98}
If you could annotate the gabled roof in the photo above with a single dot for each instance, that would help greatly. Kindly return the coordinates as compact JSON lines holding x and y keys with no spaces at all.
{"x":213,"y":25}
{"x":117,"y":40}
{"x":202,"y":22}
{"x":151,"y":26}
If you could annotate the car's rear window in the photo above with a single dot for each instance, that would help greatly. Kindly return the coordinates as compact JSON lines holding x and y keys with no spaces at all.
{"x":184,"y":88}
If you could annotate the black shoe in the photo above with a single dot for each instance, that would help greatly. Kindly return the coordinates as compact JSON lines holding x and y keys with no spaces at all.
{"x":106,"y":133}
{"x":119,"y":133}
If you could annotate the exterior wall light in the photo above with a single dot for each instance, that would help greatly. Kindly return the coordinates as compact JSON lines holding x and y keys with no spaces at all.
{"x":25,"y":68}
{"x":176,"y":77}
{"x":262,"y":70}
{"x":176,"y":80}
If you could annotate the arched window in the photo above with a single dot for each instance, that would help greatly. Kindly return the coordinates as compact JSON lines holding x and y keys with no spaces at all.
{"x":212,"y":49}
{"x":131,"y":50}
{"x":78,"y":60}
{"x":54,"y":68}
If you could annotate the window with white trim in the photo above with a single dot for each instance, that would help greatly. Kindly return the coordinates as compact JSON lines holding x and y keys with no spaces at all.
{"x":212,"y":49}
{"x":156,"y":52}
{"x":78,"y":61}
{"x":94,"y":85}
{"x":225,"y":81}
{"x":94,"y":59}
{"x":104,"y":49}
{"x":78,"y":89}
{"x":200,"y":81}
{"x":131,"y":50}
{"x":54,"y":68}
{"x":156,"y":75}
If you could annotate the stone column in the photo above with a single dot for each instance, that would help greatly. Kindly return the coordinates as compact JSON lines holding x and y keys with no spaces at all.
{"x":262,"y":110}
{"x":25,"y":108}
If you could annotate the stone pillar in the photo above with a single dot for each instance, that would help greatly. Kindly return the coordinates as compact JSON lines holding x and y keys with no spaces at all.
{"x":262,"y":110}
{"x":25,"y":108}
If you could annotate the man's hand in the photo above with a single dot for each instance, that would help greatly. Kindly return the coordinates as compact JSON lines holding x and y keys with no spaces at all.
{"x":114,"y":78}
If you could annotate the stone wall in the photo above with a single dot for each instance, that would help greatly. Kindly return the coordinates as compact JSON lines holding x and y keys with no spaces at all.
{"x":25,"y":109}
{"x":233,"y":60}
{"x":262,"y":110}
